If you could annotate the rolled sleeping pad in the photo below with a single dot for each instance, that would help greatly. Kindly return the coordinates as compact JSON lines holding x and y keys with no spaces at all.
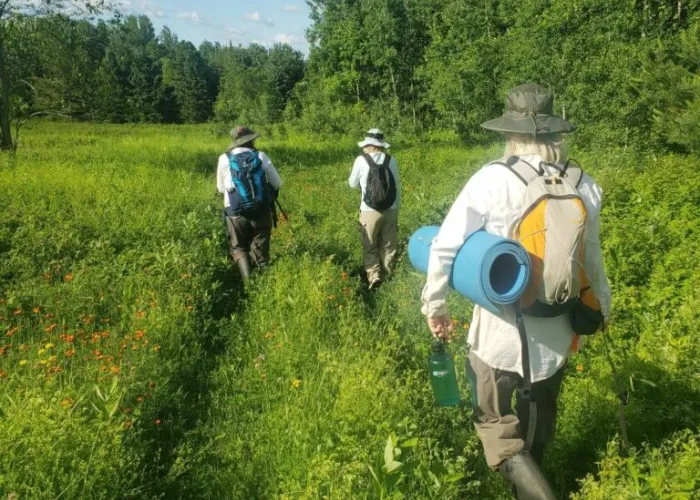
{"x":489,"y":270}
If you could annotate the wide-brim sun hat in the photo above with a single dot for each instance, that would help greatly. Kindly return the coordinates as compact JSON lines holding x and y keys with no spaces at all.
{"x":242,"y":135}
{"x":374,"y":137}
{"x":529,"y":110}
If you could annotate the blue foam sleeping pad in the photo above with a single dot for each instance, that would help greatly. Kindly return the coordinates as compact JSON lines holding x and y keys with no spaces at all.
{"x":489,"y":270}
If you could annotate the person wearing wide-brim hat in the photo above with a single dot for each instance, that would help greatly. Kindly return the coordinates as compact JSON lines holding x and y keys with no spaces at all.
{"x":494,"y":200}
{"x":376,"y":173}
{"x":248,"y":232}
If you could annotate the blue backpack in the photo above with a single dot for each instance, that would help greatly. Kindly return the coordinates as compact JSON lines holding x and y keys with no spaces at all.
{"x":252,"y":196}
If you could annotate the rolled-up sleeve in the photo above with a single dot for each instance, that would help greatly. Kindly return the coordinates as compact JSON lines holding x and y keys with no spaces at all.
{"x":466,"y":216}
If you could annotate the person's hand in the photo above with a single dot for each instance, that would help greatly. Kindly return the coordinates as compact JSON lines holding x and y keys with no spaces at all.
{"x":441,"y":327}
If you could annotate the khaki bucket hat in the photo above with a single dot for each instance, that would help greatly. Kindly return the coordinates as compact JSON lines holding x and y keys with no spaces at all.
{"x":529,"y":110}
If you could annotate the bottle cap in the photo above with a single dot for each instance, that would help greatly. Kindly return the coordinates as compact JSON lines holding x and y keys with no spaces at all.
{"x":438,"y":346}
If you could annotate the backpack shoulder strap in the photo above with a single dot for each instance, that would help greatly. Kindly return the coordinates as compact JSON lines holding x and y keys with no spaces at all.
{"x":574,"y":172}
{"x":387,"y":160}
{"x":520,"y":168}
{"x":232,"y":161}
{"x":370,"y":161}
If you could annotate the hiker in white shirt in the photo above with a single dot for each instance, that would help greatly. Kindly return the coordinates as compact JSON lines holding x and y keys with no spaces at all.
{"x":379,"y":209}
{"x":248,"y":233}
{"x":493,"y":200}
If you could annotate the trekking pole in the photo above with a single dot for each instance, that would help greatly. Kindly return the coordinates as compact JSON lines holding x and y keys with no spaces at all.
{"x":284,"y":214}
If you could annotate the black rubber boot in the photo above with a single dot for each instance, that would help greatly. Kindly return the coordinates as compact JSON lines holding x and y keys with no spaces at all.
{"x":244,"y":268}
{"x":527,"y":479}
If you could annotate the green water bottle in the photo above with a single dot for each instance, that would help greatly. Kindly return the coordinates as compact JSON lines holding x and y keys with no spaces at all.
{"x":442,"y":375}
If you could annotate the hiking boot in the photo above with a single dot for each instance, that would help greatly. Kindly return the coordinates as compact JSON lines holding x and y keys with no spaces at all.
{"x":244,"y":268}
{"x":528,"y":481}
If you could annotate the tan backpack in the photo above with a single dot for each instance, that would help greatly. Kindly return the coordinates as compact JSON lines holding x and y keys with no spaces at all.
{"x":551,"y":228}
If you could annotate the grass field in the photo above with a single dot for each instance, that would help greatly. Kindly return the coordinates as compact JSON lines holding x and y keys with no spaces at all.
{"x":132,"y":364}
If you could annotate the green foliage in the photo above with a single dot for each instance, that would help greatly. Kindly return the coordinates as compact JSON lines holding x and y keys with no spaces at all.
{"x":130,"y":366}
{"x":669,"y":472}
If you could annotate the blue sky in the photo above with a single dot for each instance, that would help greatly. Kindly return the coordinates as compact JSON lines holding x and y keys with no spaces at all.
{"x":236,"y":21}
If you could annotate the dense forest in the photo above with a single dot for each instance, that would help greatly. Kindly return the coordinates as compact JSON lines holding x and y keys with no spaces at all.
{"x":625,"y":71}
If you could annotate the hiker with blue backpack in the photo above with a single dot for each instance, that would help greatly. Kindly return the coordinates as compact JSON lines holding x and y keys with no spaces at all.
{"x":376,"y":173}
{"x":536,"y":196}
{"x":250,"y":185}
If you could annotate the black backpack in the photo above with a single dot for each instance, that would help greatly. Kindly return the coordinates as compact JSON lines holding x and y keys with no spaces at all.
{"x":380,"y":192}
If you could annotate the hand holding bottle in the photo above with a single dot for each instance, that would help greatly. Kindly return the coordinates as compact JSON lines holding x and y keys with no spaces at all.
{"x":441,"y":327}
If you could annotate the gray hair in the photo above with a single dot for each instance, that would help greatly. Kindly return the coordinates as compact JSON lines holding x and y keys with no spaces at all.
{"x":551,"y":147}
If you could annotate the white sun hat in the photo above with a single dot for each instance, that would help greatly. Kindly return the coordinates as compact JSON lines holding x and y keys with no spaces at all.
{"x":374,"y":137}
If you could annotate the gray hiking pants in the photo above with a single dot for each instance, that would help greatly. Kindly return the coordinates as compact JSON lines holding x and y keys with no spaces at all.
{"x":502,"y":431}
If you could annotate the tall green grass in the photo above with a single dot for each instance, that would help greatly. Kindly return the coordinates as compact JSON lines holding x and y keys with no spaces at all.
{"x":133,"y":364}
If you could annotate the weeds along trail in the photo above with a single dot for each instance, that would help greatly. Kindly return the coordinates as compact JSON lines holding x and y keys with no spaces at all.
{"x":112,"y":287}
{"x":132,"y":366}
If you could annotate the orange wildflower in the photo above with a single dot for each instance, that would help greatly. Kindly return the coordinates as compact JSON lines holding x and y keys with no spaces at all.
{"x":189,"y":308}
{"x":139,"y":334}
{"x":127,"y":424}
{"x":17,"y":312}
{"x":12,"y":331}
{"x":152,"y":385}
{"x":36,"y":310}
{"x":69,"y":353}
{"x":156,"y":348}
{"x":140,"y":314}
{"x":49,"y":316}
{"x":344,"y":276}
{"x":67,"y":402}
{"x":139,"y":399}
{"x":3,"y":374}
{"x":50,"y":328}
{"x":157,"y":421}
{"x":114,"y":369}
{"x":68,"y":277}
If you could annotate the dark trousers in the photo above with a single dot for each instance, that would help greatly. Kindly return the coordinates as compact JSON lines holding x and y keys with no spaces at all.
{"x":502,"y":431}
{"x":250,"y":236}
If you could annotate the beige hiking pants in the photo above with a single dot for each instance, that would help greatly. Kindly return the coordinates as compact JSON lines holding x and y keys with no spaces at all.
{"x":502,"y":431}
{"x":380,"y":236}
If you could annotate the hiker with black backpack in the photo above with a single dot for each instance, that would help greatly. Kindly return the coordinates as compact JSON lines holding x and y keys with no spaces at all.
{"x":376,"y":173}
{"x":250,"y":185}
{"x":535,"y":195}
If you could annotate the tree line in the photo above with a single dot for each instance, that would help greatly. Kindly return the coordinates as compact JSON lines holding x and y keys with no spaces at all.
{"x":628,"y":72}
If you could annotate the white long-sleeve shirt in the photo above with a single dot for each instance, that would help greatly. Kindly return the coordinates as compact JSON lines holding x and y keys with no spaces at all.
{"x":493,"y":200}
{"x":224,"y":181}
{"x":360,"y":171}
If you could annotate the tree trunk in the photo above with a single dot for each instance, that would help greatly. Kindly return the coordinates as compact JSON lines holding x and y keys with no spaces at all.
{"x":5,"y":132}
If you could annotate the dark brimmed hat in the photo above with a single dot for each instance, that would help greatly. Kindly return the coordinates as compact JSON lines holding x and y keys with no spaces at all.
{"x":529,"y":110}
{"x":242,"y":135}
